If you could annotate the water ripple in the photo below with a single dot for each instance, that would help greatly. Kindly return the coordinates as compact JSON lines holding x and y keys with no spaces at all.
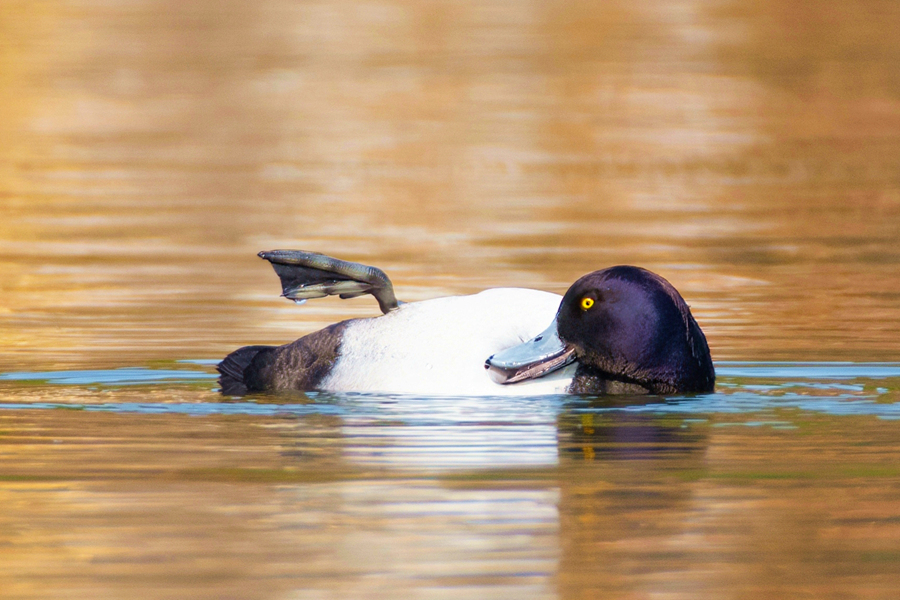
{"x":123,"y":376}
{"x":744,"y":387}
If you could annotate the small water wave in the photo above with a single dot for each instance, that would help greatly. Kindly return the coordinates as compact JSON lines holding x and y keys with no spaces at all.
{"x":843,"y":388}
{"x":112,"y":377}
{"x":807,"y":370}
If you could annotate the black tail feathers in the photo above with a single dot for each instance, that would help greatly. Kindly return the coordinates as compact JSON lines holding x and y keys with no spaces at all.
{"x":232,"y":369}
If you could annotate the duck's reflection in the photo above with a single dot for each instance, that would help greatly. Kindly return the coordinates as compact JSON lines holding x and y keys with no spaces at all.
{"x":618,"y":428}
{"x":444,"y":435}
{"x":450,"y":434}
{"x":519,"y":493}
{"x":625,"y":492}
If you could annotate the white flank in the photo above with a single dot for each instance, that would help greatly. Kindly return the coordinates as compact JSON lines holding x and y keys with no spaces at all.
{"x":438,"y":347}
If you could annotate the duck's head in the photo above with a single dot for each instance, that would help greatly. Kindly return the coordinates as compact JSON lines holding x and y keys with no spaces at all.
{"x":624,"y":325}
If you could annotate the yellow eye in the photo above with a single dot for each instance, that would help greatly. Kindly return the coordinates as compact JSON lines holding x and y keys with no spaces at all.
{"x":586,"y":303}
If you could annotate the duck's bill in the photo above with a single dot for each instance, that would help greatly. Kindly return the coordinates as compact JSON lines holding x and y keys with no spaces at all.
{"x":535,"y":358}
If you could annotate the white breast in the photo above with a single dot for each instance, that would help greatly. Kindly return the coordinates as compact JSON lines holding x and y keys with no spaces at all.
{"x":438,"y":347}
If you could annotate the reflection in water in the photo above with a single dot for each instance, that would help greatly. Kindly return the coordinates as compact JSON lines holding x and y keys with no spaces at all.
{"x":624,"y":434}
{"x":354,"y":494}
{"x":450,"y":433}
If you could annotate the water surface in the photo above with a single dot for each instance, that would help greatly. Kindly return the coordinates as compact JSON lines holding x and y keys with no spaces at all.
{"x":787,"y":470}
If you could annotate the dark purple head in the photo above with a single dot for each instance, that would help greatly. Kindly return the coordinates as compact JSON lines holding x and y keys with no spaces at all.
{"x":628,"y":324}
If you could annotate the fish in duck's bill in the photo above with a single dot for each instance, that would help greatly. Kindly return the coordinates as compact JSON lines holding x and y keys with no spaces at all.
{"x":617,"y":330}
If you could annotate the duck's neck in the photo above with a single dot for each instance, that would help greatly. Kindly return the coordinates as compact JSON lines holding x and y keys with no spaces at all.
{"x":588,"y":380}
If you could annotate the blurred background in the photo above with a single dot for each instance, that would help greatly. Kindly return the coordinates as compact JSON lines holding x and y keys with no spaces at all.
{"x":747,"y":151}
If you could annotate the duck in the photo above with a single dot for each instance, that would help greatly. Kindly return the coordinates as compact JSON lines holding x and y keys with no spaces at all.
{"x":618,"y":330}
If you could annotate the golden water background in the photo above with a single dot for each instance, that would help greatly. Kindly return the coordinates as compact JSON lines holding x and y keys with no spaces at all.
{"x":747,"y":151}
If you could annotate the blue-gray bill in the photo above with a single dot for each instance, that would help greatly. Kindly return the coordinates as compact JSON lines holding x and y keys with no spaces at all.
{"x":535,"y":358}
